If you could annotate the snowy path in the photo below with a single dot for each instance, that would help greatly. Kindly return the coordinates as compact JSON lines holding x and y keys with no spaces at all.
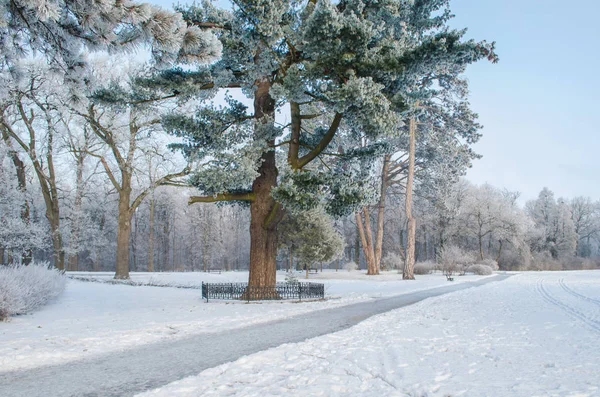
{"x":93,"y":319}
{"x":535,"y":334}
{"x":151,"y":366}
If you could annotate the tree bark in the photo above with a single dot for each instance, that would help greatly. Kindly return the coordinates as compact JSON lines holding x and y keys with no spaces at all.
{"x":409,"y":267}
{"x":366,"y":240}
{"x":381,"y":212}
{"x":263,"y":236}
{"x":124,"y":232}
{"x":264,"y":211}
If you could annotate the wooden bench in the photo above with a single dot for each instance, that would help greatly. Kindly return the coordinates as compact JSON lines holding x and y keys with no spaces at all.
{"x":214,"y":271}
{"x":449,"y":277}
{"x":315,"y":271}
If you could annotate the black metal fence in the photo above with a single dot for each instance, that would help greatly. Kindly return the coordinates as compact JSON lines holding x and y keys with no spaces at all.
{"x":241,"y":291}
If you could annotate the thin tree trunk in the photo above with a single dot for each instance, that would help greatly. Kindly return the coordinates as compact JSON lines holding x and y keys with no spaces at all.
{"x":151,"y":235}
{"x":27,"y":255}
{"x":174,"y":242}
{"x":133,"y":241}
{"x":366,"y":241}
{"x":357,"y":248}
{"x":425,"y":245}
{"x":205,"y":251}
{"x":480,"y":239}
{"x":73,"y":263}
{"x":408,"y":273}
{"x":499,"y":251}
{"x":373,"y":266}
{"x":381,"y":212}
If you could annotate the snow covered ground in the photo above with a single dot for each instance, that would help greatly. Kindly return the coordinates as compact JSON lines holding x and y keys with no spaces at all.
{"x":94,"y":318}
{"x":535,"y":334}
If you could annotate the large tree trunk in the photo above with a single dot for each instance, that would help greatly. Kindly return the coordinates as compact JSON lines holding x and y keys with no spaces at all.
{"x":263,"y":231}
{"x":124,"y":232}
{"x":264,"y":211}
{"x":409,"y":267}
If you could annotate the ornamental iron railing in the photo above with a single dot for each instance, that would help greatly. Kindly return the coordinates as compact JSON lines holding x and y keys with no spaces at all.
{"x":242,"y":291}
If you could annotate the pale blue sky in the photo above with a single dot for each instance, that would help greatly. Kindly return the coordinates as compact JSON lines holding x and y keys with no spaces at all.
{"x":539,"y":105}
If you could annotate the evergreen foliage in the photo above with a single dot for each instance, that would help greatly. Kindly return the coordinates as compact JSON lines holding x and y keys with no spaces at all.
{"x":364,"y":63}
{"x":350,"y":72}
{"x":312,"y":237}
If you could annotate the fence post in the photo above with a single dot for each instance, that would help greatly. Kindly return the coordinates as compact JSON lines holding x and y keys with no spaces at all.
{"x":299,"y":291}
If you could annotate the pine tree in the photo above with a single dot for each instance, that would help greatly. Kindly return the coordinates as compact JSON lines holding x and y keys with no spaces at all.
{"x":346,"y":71}
{"x":62,"y":29}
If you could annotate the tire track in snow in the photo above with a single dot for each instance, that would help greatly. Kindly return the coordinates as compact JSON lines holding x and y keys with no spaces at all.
{"x":593,"y":324}
{"x":576,"y":294}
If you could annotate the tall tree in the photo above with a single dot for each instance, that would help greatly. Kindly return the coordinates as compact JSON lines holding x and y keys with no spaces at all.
{"x":341,"y":71}
{"x":553,"y":220}
{"x":123,"y":134}
{"x":585,"y":215}
{"x":31,"y":118}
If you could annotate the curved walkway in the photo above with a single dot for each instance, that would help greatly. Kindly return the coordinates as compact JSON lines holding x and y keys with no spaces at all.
{"x":133,"y":371}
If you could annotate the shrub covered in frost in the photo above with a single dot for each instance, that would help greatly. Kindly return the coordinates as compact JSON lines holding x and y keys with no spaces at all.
{"x":453,"y":259}
{"x":480,"y":270}
{"x":391,"y":261}
{"x":424,"y":267}
{"x":490,"y":263}
{"x":25,"y":288}
{"x":350,"y":266}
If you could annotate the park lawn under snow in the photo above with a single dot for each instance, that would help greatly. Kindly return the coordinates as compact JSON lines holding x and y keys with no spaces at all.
{"x":93,"y":318}
{"x":535,"y":334}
